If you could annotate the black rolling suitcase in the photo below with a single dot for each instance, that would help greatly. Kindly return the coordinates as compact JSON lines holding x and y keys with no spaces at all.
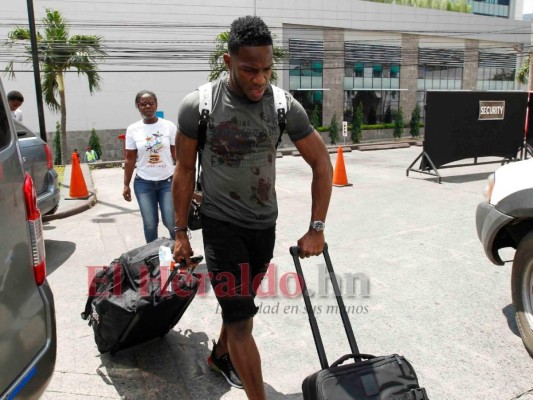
{"x":128,"y":305}
{"x":366,"y":378}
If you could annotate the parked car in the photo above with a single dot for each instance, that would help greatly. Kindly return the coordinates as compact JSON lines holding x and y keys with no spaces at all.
{"x":38,"y":162}
{"x":27,"y":314}
{"x":506,"y":220}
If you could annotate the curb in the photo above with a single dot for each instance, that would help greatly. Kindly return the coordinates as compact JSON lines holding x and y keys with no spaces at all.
{"x":368,"y":147}
{"x":88,"y":203}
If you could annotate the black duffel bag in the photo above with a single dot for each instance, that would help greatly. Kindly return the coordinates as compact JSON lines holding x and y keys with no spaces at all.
{"x":129,"y":305}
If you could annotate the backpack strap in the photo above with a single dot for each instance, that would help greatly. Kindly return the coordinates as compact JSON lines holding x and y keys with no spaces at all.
{"x":280,"y":103}
{"x":205,"y":105}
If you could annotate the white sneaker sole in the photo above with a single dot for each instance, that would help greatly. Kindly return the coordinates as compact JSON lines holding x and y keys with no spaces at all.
{"x":216,"y":369}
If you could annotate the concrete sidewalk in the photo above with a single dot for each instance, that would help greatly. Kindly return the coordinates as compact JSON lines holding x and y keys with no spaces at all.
{"x":413,"y":274}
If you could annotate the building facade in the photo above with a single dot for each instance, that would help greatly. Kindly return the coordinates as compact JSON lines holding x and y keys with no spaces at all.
{"x":341,"y":53}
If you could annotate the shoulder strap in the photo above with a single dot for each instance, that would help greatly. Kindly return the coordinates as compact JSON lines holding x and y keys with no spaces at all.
{"x":280,"y":103}
{"x":205,"y":105}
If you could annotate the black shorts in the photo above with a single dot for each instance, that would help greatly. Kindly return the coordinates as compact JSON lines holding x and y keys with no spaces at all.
{"x":237,"y":259}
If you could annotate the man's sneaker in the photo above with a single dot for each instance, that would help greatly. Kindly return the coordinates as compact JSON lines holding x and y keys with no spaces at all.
{"x":225,"y":367}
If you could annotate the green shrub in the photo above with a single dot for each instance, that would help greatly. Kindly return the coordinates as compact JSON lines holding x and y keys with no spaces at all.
{"x":334,"y":129}
{"x":357,"y":124}
{"x":415,"y":122}
{"x":94,"y":142}
{"x":398,"y":124}
{"x":57,"y":144}
{"x":378,"y":126}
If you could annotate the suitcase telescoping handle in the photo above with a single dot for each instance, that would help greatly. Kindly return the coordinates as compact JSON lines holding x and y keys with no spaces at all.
{"x":194,"y":260}
{"x":310,"y":313}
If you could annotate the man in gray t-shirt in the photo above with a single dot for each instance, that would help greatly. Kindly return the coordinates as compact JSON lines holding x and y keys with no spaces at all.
{"x":239,"y":207}
{"x":239,"y":158}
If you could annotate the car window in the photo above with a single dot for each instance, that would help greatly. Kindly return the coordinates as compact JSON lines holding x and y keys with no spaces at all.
{"x":5,"y":132}
{"x":23,"y":132}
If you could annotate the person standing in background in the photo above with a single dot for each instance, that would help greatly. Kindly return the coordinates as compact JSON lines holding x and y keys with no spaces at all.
{"x":150,"y":145}
{"x":15,"y":100}
{"x":90,"y":155}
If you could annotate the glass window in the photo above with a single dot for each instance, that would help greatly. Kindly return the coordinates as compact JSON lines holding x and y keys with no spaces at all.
{"x":305,"y":74}
{"x":359,"y":69}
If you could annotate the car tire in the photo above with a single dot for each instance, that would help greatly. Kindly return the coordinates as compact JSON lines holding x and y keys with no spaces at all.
{"x":522,"y":290}
{"x":53,"y":210}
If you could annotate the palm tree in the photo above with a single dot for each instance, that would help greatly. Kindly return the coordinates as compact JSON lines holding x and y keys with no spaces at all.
{"x":218,"y":67}
{"x":59,"y":53}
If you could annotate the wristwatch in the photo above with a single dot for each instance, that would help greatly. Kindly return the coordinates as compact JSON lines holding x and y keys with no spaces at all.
{"x":318,"y":225}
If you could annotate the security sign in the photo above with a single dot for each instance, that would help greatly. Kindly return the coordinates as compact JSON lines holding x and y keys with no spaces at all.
{"x":491,"y":110}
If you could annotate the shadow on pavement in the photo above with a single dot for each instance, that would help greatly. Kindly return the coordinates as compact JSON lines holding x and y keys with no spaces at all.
{"x":174,"y":367}
{"x":122,"y":210}
{"x":57,"y":252}
{"x":465,"y":178}
{"x":509,"y":313}
{"x":480,"y":176}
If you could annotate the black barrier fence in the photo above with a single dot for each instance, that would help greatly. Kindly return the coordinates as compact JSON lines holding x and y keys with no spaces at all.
{"x":463,"y":125}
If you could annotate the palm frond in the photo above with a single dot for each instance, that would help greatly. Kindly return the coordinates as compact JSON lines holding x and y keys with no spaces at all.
{"x":19,"y":34}
{"x":90,"y":70}
{"x":49,"y":85}
{"x":56,"y":28}
{"x":8,"y":70}
{"x":89,"y":44}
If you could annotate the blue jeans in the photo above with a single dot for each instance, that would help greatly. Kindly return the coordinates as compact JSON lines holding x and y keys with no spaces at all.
{"x":149,"y":195}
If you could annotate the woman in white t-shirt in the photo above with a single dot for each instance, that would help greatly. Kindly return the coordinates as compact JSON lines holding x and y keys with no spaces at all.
{"x":150,"y":145}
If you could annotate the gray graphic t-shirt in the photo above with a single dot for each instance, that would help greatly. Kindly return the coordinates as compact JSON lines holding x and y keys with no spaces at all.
{"x":239,"y":158}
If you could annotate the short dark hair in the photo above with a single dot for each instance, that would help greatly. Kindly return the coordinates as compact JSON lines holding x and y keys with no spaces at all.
{"x":15,"y":95}
{"x":142,"y":93}
{"x":248,"y":31}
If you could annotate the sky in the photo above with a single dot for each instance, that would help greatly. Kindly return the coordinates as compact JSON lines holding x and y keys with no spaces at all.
{"x":528,"y":6}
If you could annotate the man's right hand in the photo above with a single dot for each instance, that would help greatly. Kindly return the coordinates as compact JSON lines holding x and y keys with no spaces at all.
{"x":126,"y":193}
{"x":182,"y":248}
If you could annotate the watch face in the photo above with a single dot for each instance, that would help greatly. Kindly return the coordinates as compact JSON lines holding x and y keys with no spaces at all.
{"x":318,"y":225}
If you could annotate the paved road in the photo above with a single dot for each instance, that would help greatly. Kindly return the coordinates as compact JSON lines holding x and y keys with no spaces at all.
{"x":432,"y":295}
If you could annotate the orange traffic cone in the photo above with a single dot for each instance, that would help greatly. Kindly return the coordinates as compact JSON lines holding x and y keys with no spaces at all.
{"x":339,"y":175}
{"x":78,"y":188}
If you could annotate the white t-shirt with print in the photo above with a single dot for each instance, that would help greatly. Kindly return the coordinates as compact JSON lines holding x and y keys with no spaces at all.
{"x":17,"y":114}
{"x":152,"y":142}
